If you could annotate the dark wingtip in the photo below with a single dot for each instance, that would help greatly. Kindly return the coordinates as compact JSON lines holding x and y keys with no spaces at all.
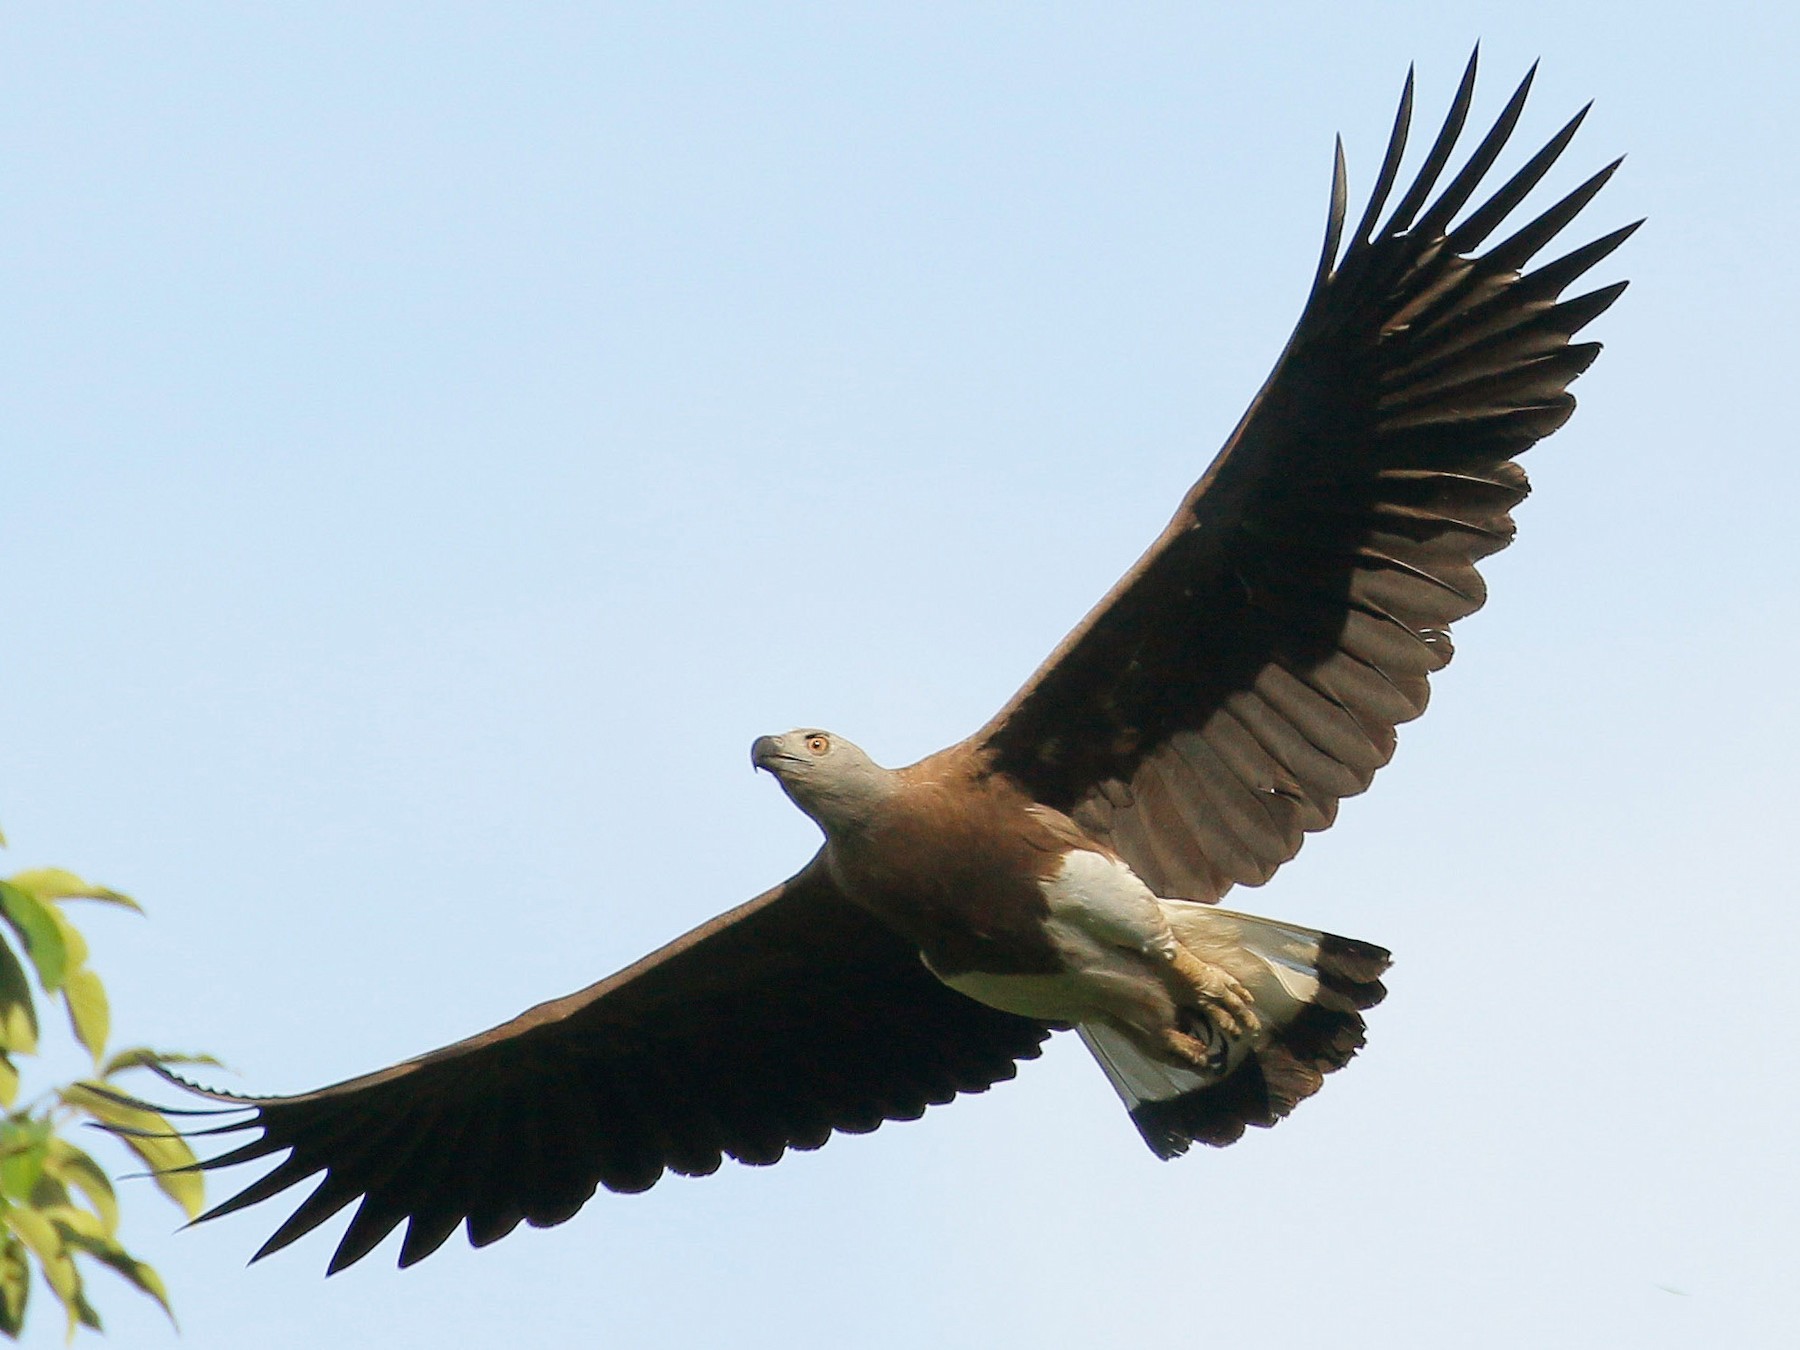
{"x":1390,"y":164}
{"x":1334,"y":224}
{"x":1525,"y":84}
{"x":1513,"y":253}
{"x":1439,"y":154}
{"x":1586,"y":308}
{"x":233,"y":1100}
{"x":112,"y":1094}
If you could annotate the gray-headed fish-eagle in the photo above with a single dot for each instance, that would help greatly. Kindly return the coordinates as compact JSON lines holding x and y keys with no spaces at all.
{"x":1059,"y":868}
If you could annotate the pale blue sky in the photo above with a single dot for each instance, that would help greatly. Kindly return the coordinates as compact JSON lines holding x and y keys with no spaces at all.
{"x":442,"y":436}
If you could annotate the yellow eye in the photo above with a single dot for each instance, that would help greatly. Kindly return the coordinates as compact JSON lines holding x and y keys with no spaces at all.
{"x":818,"y":744}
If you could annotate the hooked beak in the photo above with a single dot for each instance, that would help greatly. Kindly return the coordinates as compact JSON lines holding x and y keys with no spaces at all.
{"x":765,"y":753}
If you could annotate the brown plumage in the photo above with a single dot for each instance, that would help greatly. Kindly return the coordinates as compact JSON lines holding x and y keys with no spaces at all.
{"x":1244,"y":676}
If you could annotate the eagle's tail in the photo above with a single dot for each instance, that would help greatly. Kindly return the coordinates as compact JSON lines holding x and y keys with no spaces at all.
{"x":1309,"y":989}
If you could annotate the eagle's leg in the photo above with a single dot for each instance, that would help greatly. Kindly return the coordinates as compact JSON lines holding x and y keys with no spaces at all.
{"x":1215,"y":989}
{"x":1099,"y":896}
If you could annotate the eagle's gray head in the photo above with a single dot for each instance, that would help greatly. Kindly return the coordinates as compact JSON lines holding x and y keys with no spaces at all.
{"x":827,"y":777}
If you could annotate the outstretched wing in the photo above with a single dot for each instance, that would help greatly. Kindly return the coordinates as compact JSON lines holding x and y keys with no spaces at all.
{"x":1250,"y":670}
{"x":766,"y":1029}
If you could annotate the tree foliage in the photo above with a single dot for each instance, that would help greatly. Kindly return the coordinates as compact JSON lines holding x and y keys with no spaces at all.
{"x":58,"y":1211}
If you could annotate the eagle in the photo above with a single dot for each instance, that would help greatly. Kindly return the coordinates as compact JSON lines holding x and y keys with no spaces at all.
{"x":1061,"y":868}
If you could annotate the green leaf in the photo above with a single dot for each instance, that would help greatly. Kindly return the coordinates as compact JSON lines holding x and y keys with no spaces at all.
{"x":48,"y":1193}
{"x":89,"y":1015}
{"x":18,"y":1011}
{"x":110,"y":1253}
{"x":45,"y":1241}
{"x":73,"y":1167}
{"x":15,"y":1285}
{"x":171,"y":1162}
{"x":75,"y":946}
{"x":55,"y":883}
{"x":23,"y":1141}
{"x":76,"y":1222}
{"x":40,"y":928}
{"x":9,"y":1080}
{"x":142,"y":1056}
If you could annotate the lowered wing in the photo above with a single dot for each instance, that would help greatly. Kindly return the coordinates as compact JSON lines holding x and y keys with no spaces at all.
{"x":770,"y":1027}
{"x":1250,"y":669}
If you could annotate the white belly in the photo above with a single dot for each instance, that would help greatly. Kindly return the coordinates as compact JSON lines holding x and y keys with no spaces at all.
{"x":1109,"y":930}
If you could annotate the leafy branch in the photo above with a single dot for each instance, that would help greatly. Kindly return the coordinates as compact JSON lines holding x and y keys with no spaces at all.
{"x":58,"y":1211}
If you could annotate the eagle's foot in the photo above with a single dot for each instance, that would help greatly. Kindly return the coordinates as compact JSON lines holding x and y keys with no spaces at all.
{"x":1203,"y":1054}
{"x":1217,"y":993}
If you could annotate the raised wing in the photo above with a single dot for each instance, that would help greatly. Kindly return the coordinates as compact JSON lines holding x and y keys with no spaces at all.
{"x":766,"y":1029}
{"x":1250,"y":669}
